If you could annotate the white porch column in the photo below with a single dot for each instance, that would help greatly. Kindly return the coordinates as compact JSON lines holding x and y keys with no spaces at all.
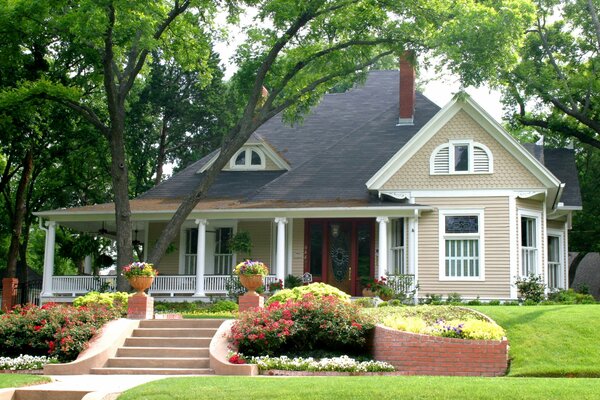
{"x":382,"y":266}
{"x":280,"y":264}
{"x":200,"y":257}
{"x":49,"y":259}
{"x":87,"y":265}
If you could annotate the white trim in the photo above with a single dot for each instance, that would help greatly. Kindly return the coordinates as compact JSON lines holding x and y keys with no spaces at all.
{"x":290,"y":246}
{"x":465,"y":193}
{"x":263,"y":147}
{"x":443,"y":236}
{"x":484,"y":120}
{"x":537,"y":215}
{"x":566,"y":257}
{"x":561,"y":256}
{"x":248,"y":166}
{"x":416,"y":254}
{"x":544,"y":243}
{"x":514,"y":246}
{"x":146,"y":244}
{"x":188,"y":224}
{"x":451,"y":145}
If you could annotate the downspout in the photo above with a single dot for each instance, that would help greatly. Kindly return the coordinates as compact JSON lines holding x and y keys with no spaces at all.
{"x":559,"y":193}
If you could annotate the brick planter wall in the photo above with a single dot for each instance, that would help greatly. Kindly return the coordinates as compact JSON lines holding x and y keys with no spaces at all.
{"x":415,"y":354}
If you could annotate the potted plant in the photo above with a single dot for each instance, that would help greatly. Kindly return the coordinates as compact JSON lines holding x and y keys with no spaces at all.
{"x":241,"y":243}
{"x":140,"y":276}
{"x":275,"y":286}
{"x":251,"y":274}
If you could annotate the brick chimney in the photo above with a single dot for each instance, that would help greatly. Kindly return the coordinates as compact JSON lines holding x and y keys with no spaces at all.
{"x":407,"y":89}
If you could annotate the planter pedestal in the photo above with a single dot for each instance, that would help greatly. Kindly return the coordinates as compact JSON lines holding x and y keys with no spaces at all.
{"x":140,"y":307}
{"x":249,"y":301}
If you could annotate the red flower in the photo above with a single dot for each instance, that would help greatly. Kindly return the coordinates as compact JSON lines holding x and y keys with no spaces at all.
{"x":37,"y":328}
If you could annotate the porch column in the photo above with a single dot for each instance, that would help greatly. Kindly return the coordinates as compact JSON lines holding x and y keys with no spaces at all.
{"x":200,"y":258}
{"x":87,"y":265}
{"x":49,"y":259}
{"x":382,"y":266}
{"x":280,"y":264}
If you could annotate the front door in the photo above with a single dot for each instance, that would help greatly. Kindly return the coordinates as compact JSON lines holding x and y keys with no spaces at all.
{"x":339,"y":251}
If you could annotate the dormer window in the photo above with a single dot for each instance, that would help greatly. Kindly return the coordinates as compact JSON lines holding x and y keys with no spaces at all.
{"x":461,"y":157}
{"x":248,"y":158}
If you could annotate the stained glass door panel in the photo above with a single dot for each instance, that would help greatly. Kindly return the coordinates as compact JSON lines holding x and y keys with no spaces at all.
{"x":339,"y":255}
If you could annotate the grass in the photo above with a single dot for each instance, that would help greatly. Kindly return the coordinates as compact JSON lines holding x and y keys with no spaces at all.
{"x":379,"y":387}
{"x":18,"y":380}
{"x":551,"y":341}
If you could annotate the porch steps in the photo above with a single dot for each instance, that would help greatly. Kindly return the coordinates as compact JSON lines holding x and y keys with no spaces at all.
{"x":165,"y":347}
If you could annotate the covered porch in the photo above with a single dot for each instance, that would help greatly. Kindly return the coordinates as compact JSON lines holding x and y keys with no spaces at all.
{"x":339,"y":247}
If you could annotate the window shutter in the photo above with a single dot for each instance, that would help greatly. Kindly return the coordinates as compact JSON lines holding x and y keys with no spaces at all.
{"x":481,"y":160}
{"x":441,"y":163}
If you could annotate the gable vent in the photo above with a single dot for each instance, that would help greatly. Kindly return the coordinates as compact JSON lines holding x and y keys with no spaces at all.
{"x":481,"y":160}
{"x":441,"y":163}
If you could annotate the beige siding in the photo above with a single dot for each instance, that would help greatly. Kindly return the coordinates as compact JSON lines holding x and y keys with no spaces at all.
{"x":559,"y":225}
{"x":169,"y":264}
{"x":298,"y":247}
{"x":508,"y":171}
{"x":497,"y":255}
{"x":260,"y":234}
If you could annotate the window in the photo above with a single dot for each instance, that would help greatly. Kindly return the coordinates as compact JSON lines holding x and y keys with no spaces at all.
{"x":554,"y":262}
{"x":461,"y":157}
{"x":461,"y":243}
{"x":398,"y":265}
{"x":248,"y":158}
{"x":529,"y":245}
{"x":223,"y":256}
{"x":191,"y":251}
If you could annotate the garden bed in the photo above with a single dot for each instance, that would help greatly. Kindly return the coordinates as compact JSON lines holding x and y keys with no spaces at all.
{"x":279,"y":372}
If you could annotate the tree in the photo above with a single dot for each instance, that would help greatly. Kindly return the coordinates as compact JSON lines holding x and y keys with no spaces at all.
{"x":304,"y":50}
{"x":555,"y":85}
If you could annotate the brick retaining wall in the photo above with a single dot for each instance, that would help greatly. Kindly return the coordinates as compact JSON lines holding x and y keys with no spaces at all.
{"x":415,"y":354}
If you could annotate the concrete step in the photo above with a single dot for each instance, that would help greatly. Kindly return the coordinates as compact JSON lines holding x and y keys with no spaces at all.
{"x":175,"y":332}
{"x":162,"y":352}
{"x":181,"y":323}
{"x":151,"y":371}
{"x":47,"y":394}
{"x":167,"y":342}
{"x":149,"y":362}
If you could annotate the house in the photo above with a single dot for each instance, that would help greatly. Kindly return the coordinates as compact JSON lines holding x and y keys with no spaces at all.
{"x":376,"y":181}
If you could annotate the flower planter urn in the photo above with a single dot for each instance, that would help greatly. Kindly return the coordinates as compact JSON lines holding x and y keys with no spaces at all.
{"x":251,"y":283}
{"x":140,"y":283}
{"x":368,"y":293}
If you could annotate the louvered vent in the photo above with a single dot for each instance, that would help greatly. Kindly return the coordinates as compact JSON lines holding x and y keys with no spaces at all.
{"x":481,"y":160}
{"x":441,"y":163}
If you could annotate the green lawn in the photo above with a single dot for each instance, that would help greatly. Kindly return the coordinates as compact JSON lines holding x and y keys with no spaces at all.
{"x":551,"y":340}
{"x":17,"y":380}
{"x":380,"y":388}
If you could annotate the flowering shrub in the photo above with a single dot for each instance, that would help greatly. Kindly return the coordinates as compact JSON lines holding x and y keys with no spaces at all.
{"x":25,"y":362}
{"x":317,"y":289}
{"x":249,"y":267}
{"x":60,"y":331}
{"x":236,"y":358}
{"x":453,"y":329}
{"x":275,"y":286}
{"x":116,"y":300}
{"x":139,"y":269}
{"x":342,"y":364}
{"x":307,"y":324}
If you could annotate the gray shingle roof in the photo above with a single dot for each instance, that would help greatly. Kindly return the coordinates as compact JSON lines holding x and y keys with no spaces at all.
{"x":344,"y":141}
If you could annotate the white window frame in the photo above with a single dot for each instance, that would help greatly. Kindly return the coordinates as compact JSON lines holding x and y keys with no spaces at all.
{"x":443,"y":236}
{"x":537,"y":216}
{"x":210,"y":251}
{"x":392,"y":248}
{"x":248,"y":161}
{"x":451,"y":146}
{"x":561,"y":257}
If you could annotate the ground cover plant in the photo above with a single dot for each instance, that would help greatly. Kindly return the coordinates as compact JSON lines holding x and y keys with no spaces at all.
{"x":312,"y":323}
{"x":317,"y":289}
{"x":445,"y":321}
{"x":338,"y":364}
{"x":553,"y":341}
{"x":25,"y":362}
{"x":368,"y":388}
{"x":54,"y":330}
{"x":18,"y":380}
{"x":199,"y":309}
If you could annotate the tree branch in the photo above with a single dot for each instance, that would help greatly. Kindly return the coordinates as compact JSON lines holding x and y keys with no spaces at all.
{"x":560,"y":128}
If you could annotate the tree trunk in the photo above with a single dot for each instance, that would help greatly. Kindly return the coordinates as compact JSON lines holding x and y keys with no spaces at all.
{"x":19,"y":217}
{"x":162,"y":149}
{"x":121,"y":191}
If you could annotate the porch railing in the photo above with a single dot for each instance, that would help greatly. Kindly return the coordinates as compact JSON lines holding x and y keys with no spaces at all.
{"x":163,"y":284}
{"x":402,"y":283}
